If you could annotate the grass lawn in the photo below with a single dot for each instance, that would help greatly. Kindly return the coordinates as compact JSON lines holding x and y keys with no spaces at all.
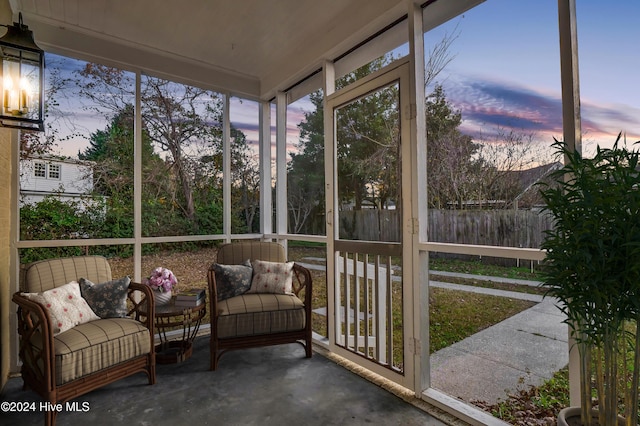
{"x":455,"y":315}
{"x":480,"y":268}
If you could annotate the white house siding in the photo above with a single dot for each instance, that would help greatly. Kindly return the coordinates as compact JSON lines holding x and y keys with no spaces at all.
{"x":68,"y":179}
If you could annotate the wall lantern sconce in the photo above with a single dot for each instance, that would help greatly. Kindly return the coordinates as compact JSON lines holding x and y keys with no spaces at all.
{"x":22,"y":80}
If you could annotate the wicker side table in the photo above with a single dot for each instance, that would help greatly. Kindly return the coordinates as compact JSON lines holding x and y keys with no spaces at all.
{"x":170,"y":317}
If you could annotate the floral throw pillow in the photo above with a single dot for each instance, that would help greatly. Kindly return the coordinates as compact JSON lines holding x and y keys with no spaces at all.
{"x":272,"y":277}
{"x":232,"y":280}
{"x":108,"y":299}
{"x":65,"y":305}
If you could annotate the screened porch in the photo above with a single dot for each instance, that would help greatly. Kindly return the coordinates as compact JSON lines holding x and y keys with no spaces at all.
{"x":172,"y":129}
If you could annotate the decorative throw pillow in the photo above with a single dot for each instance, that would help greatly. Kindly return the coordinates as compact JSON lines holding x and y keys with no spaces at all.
{"x":65,"y":305}
{"x":108,"y":299}
{"x":272,"y":277}
{"x":232,"y":280}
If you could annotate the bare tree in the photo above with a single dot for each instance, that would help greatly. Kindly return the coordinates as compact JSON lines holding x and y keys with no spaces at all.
{"x":504,"y":159}
{"x":178,"y":122}
{"x":40,"y":143}
{"x":245,"y":177}
{"x":439,"y":56}
{"x":182,"y":121}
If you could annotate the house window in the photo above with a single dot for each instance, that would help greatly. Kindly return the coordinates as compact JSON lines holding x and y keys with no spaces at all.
{"x":40,"y":170}
{"x":54,"y":171}
{"x":48,"y":171}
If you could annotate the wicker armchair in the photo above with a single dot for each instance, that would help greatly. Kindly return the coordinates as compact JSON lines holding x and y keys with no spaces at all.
{"x":252,"y":320}
{"x":63,"y":366}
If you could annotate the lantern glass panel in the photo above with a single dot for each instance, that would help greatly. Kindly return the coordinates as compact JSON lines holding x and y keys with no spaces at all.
{"x":21,"y":81}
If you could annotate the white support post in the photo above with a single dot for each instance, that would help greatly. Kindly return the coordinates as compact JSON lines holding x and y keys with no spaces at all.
{"x":266,"y":198}
{"x":14,"y":234}
{"x":137,"y":183}
{"x":226,"y":169}
{"x":418,"y":169}
{"x":281,"y":164}
{"x":572,"y":134}
{"x":571,"y":123}
{"x":333,"y":297}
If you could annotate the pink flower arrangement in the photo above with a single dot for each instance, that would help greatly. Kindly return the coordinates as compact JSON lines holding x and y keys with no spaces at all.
{"x":162,"y":279}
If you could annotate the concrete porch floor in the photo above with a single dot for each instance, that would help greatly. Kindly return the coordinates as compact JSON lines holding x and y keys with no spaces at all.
{"x":262,"y":386}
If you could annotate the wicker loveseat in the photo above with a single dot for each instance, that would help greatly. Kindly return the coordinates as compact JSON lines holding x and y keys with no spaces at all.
{"x":61,"y":363}
{"x":251,"y":318}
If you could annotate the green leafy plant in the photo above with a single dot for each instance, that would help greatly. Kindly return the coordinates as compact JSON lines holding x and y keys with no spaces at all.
{"x":592,"y":267}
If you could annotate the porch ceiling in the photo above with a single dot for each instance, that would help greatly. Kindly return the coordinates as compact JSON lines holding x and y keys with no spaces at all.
{"x":247,"y":47}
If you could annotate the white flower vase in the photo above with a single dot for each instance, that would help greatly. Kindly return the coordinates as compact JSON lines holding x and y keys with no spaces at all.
{"x":162,"y":297}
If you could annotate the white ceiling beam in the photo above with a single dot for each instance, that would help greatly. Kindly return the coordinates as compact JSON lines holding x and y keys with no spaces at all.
{"x":125,"y":55}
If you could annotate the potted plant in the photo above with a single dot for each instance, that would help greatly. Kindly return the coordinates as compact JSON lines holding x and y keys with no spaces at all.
{"x":593,"y":268}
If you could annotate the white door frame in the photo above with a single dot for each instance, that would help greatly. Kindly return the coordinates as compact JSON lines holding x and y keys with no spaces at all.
{"x":399,"y":72}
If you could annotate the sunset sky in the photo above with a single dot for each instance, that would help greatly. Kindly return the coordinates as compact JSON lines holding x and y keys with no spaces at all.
{"x":506,"y":70}
{"x":505,"y":73}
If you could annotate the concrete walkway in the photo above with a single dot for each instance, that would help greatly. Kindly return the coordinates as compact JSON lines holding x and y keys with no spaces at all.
{"x":525,"y":349}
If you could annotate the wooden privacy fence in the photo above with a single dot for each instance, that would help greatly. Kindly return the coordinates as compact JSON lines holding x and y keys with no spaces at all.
{"x":506,"y":228}
{"x":370,"y":225}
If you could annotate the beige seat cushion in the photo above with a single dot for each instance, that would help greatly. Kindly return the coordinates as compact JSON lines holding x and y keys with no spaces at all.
{"x":96,"y":345}
{"x":255,"y":314}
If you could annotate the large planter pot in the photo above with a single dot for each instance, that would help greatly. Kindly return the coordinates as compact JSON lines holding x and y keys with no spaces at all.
{"x":162,"y":297}
{"x":570,"y":416}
